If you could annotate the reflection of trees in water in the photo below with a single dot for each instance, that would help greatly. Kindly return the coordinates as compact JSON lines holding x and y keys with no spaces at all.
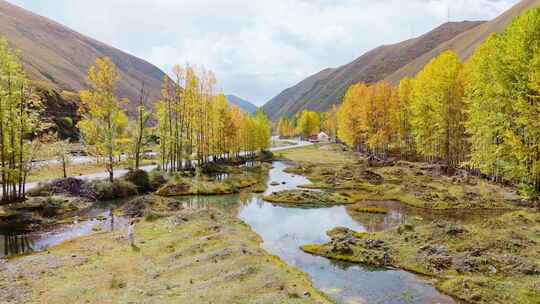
{"x":399,"y":213}
{"x":396,"y":215}
{"x":15,"y":242}
{"x":227,"y":203}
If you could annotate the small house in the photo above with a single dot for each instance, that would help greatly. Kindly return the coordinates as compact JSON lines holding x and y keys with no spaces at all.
{"x":323,"y":137}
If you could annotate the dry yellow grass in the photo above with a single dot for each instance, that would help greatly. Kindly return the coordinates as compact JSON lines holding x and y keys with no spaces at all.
{"x":192,"y":257}
{"x":323,"y":154}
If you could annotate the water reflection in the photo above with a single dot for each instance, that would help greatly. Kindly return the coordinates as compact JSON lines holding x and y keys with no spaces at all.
{"x":284,"y":229}
{"x":15,"y":241}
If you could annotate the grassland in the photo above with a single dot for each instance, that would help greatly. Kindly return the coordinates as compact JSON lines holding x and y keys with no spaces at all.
{"x":189,"y":257}
{"x":418,"y":185}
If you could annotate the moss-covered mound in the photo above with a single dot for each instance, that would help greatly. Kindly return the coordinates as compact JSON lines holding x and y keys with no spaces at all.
{"x":495,"y":261}
{"x":304,"y":198}
{"x":232,"y":184}
{"x":359,"y":208}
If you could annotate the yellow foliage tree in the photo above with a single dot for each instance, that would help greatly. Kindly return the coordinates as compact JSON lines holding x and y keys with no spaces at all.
{"x":104,"y":122}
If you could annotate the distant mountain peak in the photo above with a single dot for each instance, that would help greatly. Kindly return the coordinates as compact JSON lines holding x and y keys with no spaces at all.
{"x":243,"y":104}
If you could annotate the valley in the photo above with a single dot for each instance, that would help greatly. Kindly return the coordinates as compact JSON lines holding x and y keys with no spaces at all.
{"x":409,"y":175}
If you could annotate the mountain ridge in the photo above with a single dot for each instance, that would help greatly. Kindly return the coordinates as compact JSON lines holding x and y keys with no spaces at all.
{"x":465,"y":43}
{"x":241,"y":103}
{"x":319,"y":91}
{"x":56,"y":54}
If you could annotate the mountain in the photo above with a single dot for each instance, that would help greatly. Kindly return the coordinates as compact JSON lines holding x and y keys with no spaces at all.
{"x":318,"y":92}
{"x":243,"y":104}
{"x":465,"y":43}
{"x":55,"y":54}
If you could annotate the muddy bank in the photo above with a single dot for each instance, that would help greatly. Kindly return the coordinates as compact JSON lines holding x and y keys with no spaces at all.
{"x":494,"y":261}
{"x":184,"y":257}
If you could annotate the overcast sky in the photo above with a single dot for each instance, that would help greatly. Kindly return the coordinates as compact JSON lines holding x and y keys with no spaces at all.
{"x":257,"y":48}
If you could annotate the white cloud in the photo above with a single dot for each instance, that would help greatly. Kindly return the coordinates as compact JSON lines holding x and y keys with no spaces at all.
{"x":257,"y":48}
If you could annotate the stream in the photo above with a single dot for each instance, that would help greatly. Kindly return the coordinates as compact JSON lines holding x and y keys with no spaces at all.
{"x":283,"y":230}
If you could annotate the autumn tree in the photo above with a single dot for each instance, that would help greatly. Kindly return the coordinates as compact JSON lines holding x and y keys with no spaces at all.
{"x":309,"y":123}
{"x":349,"y":118}
{"x":140,"y":127}
{"x":104,"y":122}
{"x":19,"y":119}
{"x":438,"y":110}
{"x":262,"y":131}
{"x":405,"y":136}
{"x":503,"y":94}
{"x":197,"y":124}
{"x":368,"y":119}
{"x":330,"y":122}
{"x":285,"y":128}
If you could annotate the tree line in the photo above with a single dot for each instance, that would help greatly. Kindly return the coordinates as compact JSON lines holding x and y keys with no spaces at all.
{"x":197,"y":125}
{"x":19,"y":121}
{"x":308,"y":123}
{"x":483,"y":115}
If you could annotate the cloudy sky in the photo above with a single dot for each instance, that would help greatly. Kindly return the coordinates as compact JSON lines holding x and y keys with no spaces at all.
{"x":257,"y":48}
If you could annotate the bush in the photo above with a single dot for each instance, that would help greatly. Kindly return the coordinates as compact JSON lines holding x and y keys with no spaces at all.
{"x":106,"y":190}
{"x":140,"y":179}
{"x":266,"y":156}
{"x":157,"y":179}
{"x":68,"y":186}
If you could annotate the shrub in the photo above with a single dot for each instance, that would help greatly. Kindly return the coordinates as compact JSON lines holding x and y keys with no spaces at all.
{"x":266,"y":156}
{"x":106,"y":190}
{"x":68,"y":186}
{"x":139,"y":178}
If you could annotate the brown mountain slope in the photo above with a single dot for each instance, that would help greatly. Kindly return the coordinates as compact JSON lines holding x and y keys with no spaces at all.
{"x":56,"y":54}
{"x":465,"y":43}
{"x":327,"y":87}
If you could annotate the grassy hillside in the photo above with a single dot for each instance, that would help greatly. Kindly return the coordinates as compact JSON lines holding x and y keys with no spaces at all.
{"x":57,"y":55}
{"x":464,"y":44}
